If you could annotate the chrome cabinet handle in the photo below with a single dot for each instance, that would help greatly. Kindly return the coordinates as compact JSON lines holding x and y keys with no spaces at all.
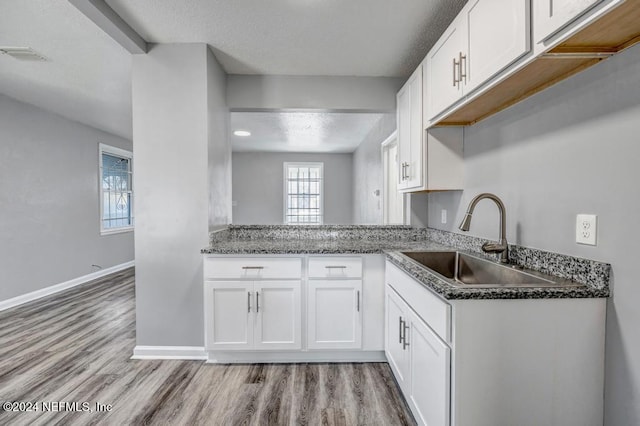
{"x":257,"y":302}
{"x":253,"y":267}
{"x":456,"y":64}
{"x":400,"y":329}
{"x":358,"y":300}
{"x":335,"y":267}
{"x":462,"y":68}
{"x":406,"y":169}
{"x":249,"y":302}
{"x":402,"y":171}
{"x":405,"y":175}
{"x":405,"y":343}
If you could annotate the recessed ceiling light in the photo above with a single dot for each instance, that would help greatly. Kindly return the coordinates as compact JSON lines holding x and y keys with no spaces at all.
{"x":242,"y":133}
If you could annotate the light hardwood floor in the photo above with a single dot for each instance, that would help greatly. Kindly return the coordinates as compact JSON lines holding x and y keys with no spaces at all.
{"x":75,"y":347}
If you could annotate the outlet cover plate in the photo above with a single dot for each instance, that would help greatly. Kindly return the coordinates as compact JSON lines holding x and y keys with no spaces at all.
{"x":586,"y":229}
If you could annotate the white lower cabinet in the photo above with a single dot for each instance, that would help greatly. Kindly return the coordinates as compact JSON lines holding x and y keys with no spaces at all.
{"x":253,"y":315}
{"x":228,"y":311}
{"x":492,"y":362}
{"x":335,"y":314}
{"x":429,"y":366}
{"x":278,"y":315}
{"x":294,"y":308}
{"x":419,"y":360}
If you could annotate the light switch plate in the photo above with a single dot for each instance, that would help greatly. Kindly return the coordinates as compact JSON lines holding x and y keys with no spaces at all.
{"x":586,"y":229}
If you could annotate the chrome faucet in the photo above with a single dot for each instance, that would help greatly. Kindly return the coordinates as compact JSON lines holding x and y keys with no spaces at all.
{"x":502,"y":247}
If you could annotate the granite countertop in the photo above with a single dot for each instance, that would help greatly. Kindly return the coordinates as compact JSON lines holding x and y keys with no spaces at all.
{"x":589,"y":278}
{"x":315,"y":246}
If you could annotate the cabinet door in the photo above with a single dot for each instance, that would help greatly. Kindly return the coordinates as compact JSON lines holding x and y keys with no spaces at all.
{"x":443,"y":87}
{"x":404,"y":133}
{"x":498,"y":34}
{"x":334,"y":314}
{"x":429,"y":359}
{"x":414,"y":161}
{"x":228,"y":315}
{"x":410,"y":131}
{"x":395,"y":323}
{"x":553,"y":15}
{"x":278,"y":318}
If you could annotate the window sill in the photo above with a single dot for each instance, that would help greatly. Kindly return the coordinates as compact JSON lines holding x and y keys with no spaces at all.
{"x":116,"y":231}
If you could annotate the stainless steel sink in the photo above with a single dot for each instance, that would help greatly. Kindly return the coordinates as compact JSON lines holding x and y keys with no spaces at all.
{"x":466,"y":270}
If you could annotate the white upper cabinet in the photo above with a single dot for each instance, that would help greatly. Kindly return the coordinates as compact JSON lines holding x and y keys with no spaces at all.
{"x":426,"y":161}
{"x":442,"y":72}
{"x":553,"y":15}
{"x":498,"y":33}
{"x":486,"y":37}
{"x":409,"y":100}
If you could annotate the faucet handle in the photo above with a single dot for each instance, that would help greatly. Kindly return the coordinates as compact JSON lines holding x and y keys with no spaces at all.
{"x":493,"y":247}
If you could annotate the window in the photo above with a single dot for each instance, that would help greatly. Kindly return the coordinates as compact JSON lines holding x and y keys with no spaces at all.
{"x":116,"y":190}
{"x":303,"y":193}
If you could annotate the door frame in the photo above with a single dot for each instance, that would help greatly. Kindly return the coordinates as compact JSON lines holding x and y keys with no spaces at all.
{"x":384,"y":146}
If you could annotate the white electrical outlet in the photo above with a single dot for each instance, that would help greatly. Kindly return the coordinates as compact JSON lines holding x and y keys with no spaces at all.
{"x":586,"y":229}
{"x":443,"y":215}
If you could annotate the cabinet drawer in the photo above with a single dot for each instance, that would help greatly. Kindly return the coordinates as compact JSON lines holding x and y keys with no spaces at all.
{"x":335,"y":267}
{"x":434,"y":311}
{"x":252,"y":267}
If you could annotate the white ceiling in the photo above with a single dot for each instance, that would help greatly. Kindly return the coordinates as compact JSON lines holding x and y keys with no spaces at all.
{"x":301,"y":131}
{"x":299,"y":37}
{"x":87,"y":77}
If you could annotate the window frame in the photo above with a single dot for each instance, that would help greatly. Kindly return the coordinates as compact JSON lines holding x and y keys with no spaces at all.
{"x":286,"y":166}
{"x":122,"y":153}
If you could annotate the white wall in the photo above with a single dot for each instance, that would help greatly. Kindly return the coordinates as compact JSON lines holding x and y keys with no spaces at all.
{"x":258,"y":187}
{"x":367,"y":173}
{"x":571,"y":149}
{"x":259,"y":92}
{"x":49,"y":200}
{"x":171,"y":132}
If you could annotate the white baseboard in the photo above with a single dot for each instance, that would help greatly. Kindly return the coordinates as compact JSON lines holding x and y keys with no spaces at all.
{"x":47,"y":291}
{"x":169,"y":352}
{"x":240,"y":357}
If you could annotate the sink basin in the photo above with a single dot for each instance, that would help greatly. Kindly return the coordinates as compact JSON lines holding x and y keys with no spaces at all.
{"x":466,"y":270}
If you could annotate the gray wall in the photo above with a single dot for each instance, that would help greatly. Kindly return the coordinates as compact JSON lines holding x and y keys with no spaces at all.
{"x":258,"y":187}
{"x":257,"y":92}
{"x":172,"y":133}
{"x":571,"y":149}
{"x":367,"y":173}
{"x":49,"y":200}
{"x":219,"y":146}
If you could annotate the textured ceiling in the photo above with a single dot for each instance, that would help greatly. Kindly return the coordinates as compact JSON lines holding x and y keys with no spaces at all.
{"x":299,"y":37}
{"x":301,"y":131}
{"x":87,"y":77}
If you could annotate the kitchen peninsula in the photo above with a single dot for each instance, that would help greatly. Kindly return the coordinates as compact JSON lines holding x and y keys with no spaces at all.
{"x":483,"y":355}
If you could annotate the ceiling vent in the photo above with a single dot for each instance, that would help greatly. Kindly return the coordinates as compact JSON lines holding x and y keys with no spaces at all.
{"x":22,"y":53}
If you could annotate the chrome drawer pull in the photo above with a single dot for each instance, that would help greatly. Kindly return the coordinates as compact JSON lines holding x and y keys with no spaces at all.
{"x":335,"y":267}
{"x":253,"y":267}
{"x":358,"y":301}
{"x":257,"y":302}
{"x":249,"y":302}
